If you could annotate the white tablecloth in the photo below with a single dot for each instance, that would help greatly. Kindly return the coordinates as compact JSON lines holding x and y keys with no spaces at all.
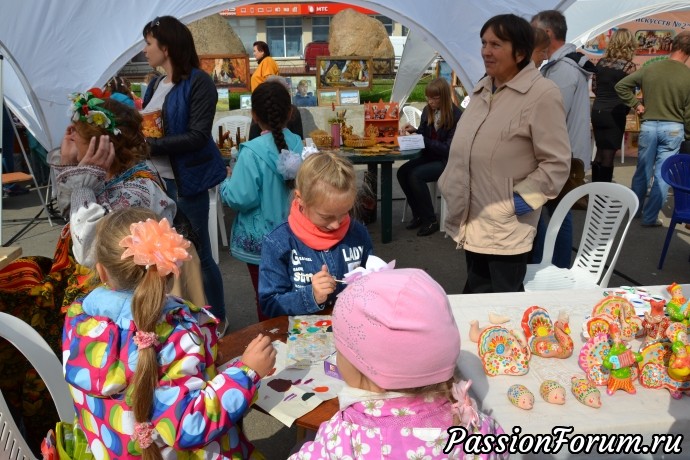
{"x":648,"y":412}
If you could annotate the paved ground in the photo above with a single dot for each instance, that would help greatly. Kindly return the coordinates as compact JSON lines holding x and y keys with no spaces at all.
{"x":436,"y":254}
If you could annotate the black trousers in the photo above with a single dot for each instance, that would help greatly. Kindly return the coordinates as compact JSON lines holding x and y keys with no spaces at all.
{"x":495,"y":273}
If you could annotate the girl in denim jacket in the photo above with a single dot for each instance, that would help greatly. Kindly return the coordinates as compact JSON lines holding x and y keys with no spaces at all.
{"x":302,"y":259}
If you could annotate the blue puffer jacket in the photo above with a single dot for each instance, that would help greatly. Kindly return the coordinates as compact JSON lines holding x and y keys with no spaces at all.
{"x":188,"y":112}
{"x":287,"y":265}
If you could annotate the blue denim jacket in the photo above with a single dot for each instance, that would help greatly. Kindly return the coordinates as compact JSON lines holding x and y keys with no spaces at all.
{"x":287,"y":265}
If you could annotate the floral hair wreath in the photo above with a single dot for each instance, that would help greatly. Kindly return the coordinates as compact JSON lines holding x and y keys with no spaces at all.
{"x":156,"y":243}
{"x":88,"y":107}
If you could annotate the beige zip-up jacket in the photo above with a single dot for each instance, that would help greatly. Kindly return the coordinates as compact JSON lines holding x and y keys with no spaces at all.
{"x":514,"y":140}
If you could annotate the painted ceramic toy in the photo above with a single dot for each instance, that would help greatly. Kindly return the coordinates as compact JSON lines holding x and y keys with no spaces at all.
{"x":521,"y":397}
{"x":618,"y":310}
{"x":655,"y":323}
{"x":654,"y":367}
{"x":592,"y":356}
{"x":678,"y":308}
{"x":503,"y":351}
{"x":619,"y":360}
{"x":585,"y":392}
{"x":545,"y":338}
{"x":679,"y":361}
{"x":552,"y":392}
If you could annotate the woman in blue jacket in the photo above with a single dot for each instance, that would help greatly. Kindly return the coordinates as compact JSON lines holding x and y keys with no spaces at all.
{"x":437,"y":126}
{"x":304,"y":259}
{"x":186,"y":157}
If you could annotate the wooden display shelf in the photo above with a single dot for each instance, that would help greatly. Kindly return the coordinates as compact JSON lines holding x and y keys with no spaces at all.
{"x":388,"y":124}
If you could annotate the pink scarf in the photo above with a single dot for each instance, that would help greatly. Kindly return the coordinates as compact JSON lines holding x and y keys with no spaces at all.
{"x":310,"y":234}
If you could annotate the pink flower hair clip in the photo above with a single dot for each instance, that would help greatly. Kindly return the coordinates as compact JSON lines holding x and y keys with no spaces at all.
{"x":143,"y":434}
{"x":145,"y":339}
{"x":374,"y":264}
{"x":156,"y":243}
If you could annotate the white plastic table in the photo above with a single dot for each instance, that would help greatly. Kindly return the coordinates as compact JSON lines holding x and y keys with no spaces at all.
{"x":648,"y":412}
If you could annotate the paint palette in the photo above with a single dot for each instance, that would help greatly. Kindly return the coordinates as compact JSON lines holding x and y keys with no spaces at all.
{"x":292,"y":392}
{"x":310,"y":340}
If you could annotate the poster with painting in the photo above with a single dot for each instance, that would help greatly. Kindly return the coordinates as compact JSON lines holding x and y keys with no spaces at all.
{"x":653,"y":42}
{"x":349,"y":97}
{"x":328,"y":96}
{"x":245,"y":101}
{"x":304,"y":91}
{"x":227,"y":70}
{"x":344,"y":72}
{"x":223,"y":104}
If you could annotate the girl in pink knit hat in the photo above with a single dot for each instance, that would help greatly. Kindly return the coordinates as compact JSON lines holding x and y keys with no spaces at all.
{"x":397,"y":346}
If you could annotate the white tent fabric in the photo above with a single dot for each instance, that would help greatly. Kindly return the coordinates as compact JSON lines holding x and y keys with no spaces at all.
{"x":416,"y":58}
{"x":53,"y":48}
{"x":585,"y":18}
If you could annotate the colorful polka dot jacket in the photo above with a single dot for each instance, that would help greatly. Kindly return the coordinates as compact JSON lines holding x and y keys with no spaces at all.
{"x":195,"y":409}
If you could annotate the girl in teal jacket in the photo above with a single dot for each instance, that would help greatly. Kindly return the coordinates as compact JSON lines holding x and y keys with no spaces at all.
{"x":256,"y":187}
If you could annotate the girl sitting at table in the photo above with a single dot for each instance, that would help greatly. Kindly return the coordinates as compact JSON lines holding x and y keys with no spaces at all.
{"x":304,"y":259}
{"x":397,"y":345}
{"x":257,"y":187}
{"x":140,"y":363}
{"x":437,"y":127}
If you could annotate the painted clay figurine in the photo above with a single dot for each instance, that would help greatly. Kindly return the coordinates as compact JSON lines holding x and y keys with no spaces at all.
{"x":503,"y":351}
{"x":521,"y":397}
{"x":552,"y":392}
{"x":656,"y":371}
{"x":655,"y":323}
{"x":585,"y":392}
{"x":619,"y":361}
{"x":545,"y":338}
{"x":678,"y":308}
{"x":679,"y":362}
{"x":618,"y":310}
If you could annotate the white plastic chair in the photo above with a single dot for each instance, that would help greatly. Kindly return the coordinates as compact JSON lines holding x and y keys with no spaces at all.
{"x":609,"y":203}
{"x":433,"y":190}
{"x":413,"y":115}
{"x":231,"y":123}
{"x":42,"y":358}
{"x":215,"y":212}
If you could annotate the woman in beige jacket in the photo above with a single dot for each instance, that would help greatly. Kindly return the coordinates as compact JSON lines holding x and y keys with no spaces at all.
{"x":509,"y":155}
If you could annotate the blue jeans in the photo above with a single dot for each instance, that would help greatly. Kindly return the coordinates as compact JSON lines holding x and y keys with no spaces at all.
{"x":563,"y":247}
{"x":658,"y":141}
{"x":413,"y":177}
{"x":196,"y":209}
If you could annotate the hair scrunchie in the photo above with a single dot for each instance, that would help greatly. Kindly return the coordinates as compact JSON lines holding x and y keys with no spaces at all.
{"x":145,"y":339}
{"x":143,"y":434}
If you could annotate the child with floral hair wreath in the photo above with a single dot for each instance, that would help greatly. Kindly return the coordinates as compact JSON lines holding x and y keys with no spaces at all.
{"x":141,"y":363}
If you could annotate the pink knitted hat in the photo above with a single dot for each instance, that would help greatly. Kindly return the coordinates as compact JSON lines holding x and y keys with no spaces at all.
{"x":397,"y":328}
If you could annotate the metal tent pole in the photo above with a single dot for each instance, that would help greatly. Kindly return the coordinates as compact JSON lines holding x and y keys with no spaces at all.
{"x":2,"y":101}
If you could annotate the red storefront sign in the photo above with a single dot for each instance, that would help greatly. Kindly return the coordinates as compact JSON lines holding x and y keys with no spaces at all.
{"x":292,"y":9}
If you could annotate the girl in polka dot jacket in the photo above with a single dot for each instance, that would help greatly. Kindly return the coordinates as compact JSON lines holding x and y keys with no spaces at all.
{"x":141,"y":364}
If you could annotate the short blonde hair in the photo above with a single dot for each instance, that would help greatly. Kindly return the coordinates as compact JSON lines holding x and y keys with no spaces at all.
{"x":323,"y":172}
{"x":622,"y":45}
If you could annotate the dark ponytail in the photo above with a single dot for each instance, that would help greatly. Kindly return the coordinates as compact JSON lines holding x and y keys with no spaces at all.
{"x":272,"y":106}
